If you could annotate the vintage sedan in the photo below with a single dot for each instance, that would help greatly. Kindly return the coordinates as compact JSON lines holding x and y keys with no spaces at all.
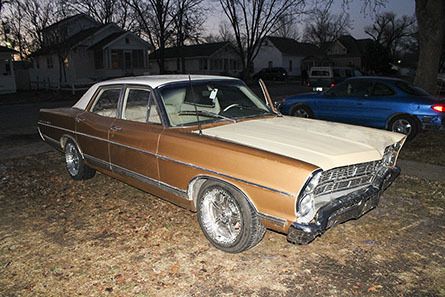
{"x":209,"y":144}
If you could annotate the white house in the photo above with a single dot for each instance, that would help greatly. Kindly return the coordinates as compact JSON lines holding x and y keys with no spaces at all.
{"x":79,"y":51}
{"x":287,"y":53}
{"x":207,"y":58}
{"x":348,"y":51}
{"x":7,"y":76}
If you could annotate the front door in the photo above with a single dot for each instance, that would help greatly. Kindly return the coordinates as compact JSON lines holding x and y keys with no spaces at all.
{"x":93,"y":125}
{"x":134,"y":136}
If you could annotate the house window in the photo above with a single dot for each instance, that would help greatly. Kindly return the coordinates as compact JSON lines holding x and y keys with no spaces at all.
{"x":7,"y":68}
{"x":49,"y":62}
{"x":138,"y":58}
{"x":270,"y":64}
{"x":203,"y":64}
{"x":290,"y":65}
{"x":37,"y":64}
{"x":117,"y":59}
{"x":98,"y":59}
{"x":127,"y":40}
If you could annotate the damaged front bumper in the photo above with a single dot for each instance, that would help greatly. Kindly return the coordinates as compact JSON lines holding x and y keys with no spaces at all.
{"x":342,"y":209}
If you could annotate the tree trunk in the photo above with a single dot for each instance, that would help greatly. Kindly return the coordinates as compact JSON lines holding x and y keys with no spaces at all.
{"x":430,"y":18}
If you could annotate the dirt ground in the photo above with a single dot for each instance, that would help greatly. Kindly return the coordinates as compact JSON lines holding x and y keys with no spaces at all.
{"x":59,"y":237}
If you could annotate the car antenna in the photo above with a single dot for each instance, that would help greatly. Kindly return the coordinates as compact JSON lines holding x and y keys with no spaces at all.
{"x":194,"y":104}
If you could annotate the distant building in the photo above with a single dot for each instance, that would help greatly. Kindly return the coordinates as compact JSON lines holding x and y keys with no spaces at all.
{"x":348,"y":51}
{"x":79,"y":51}
{"x":287,"y":53}
{"x":7,"y":75}
{"x":209,"y":58}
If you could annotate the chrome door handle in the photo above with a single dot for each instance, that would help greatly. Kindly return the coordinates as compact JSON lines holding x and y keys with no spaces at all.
{"x":78,"y":120}
{"x":115,"y":128}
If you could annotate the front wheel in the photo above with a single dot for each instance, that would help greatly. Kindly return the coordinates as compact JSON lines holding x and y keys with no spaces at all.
{"x":302,"y":111}
{"x":75,"y":164}
{"x":227,"y":220}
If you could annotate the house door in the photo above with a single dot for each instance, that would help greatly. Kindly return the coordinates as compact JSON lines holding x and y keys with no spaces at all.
{"x":127,"y":61}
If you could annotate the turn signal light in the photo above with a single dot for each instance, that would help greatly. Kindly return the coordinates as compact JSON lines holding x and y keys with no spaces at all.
{"x":438,"y":107}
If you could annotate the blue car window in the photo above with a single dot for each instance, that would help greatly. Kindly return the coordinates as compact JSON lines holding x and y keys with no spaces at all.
{"x":382,"y":90}
{"x":352,"y":88}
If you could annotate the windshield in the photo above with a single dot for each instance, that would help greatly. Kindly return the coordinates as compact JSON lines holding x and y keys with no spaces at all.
{"x":210,"y":101}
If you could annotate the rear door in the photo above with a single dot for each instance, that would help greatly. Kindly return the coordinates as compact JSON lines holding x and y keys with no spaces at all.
{"x":94,"y":124}
{"x":134,"y":136}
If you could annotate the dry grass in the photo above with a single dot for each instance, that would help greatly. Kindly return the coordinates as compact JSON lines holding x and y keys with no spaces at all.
{"x":59,"y":237}
{"x":427,"y":147}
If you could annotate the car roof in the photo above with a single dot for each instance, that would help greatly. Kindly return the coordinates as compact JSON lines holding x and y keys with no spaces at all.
{"x":152,"y":81}
{"x":155,"y":81}
{"x":377,"y":78}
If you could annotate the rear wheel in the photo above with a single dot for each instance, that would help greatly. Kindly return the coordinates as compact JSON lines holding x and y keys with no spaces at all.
{"x":75,"y":164}
{"x":227,"y":220}
{"x":405,"y":125}
{"x":302,"y":111}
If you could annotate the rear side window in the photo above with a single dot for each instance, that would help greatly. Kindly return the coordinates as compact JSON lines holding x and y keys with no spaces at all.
{"x":106,"y":102}
{"x":319,"y":73}
{"x":382,"y":90}
{"x":136,"y":104}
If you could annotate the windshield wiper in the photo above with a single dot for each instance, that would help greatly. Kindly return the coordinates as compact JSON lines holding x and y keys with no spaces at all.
{"x":206,"y":114}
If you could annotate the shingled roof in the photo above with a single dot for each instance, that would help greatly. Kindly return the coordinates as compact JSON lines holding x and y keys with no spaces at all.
{"x":197,"y":50}
{"x":354,"y":47}
{"x":4,"y":49}
{"x":292,"y":47}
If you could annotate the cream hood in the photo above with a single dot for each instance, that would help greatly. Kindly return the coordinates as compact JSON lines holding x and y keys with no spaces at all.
{"x":324,"y":144}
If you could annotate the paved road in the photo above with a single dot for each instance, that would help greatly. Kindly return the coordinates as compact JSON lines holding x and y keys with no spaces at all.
{"x":22,"y":118}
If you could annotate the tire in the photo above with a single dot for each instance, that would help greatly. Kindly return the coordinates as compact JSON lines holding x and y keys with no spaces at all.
{"x":227,"y":219}
{"x":406,"y":125}
{"x":75,"y":164}
{"x":302,"y":111}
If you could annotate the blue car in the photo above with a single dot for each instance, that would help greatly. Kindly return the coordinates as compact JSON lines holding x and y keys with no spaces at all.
{"x":379,"y":102}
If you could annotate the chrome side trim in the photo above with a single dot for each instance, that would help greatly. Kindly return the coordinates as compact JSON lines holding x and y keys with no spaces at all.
{"x":224,"y":175}
{"x":148,"y":180}
{"x":98,"y":162}
{"x":275,"y":220}
{"x":51,"y":141}
{"x":165,"y":158}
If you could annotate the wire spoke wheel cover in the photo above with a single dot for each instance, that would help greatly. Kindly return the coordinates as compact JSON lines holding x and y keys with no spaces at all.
{"x":72,"y":159}
{"x":221,"y":216}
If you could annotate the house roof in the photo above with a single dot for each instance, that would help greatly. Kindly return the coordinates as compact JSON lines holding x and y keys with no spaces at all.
{"x":197,"y":50}
{"x":292,"y":47}
{"x":4,"y":49}
{"x":70,"y":18}
{"x":354,"y":47}
{"x":100,"y":44}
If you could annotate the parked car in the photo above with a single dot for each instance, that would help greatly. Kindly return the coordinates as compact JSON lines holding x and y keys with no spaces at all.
{"x":209,"y":144}
{"x":379,"y":102}
{"x":274,"y":73}
{"x":324,"y":78}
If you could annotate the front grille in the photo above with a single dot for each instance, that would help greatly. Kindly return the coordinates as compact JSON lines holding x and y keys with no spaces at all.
{"x":347,"y":177}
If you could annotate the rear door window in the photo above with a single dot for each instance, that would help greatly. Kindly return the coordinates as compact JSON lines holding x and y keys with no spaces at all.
{"x":107,"y":101}
{"x":382,"y":90}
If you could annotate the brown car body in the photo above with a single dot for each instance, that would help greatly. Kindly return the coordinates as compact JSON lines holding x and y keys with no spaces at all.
{"x":174,"y":162}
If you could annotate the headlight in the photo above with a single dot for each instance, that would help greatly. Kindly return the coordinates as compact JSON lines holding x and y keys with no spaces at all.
{"x":306,"y":204}
{"x":391,"y":153}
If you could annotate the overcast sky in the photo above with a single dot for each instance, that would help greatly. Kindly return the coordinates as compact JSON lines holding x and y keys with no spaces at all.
{"x":359,"y":18}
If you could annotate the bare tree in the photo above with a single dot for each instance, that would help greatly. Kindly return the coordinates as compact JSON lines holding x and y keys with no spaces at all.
{"x":390,"y":31}
{"x":187,"y":16}
{"x":287,"y":27}
{"x":430,"y":16}
{"x":156,"y":23}
{"x":253,"y":20}
{"x":224,"y":35}
{"x":105,"y":11}
{"x":324,"y":28}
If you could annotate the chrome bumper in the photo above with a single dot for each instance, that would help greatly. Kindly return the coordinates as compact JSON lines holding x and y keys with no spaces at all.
{"x":340,"y":210}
